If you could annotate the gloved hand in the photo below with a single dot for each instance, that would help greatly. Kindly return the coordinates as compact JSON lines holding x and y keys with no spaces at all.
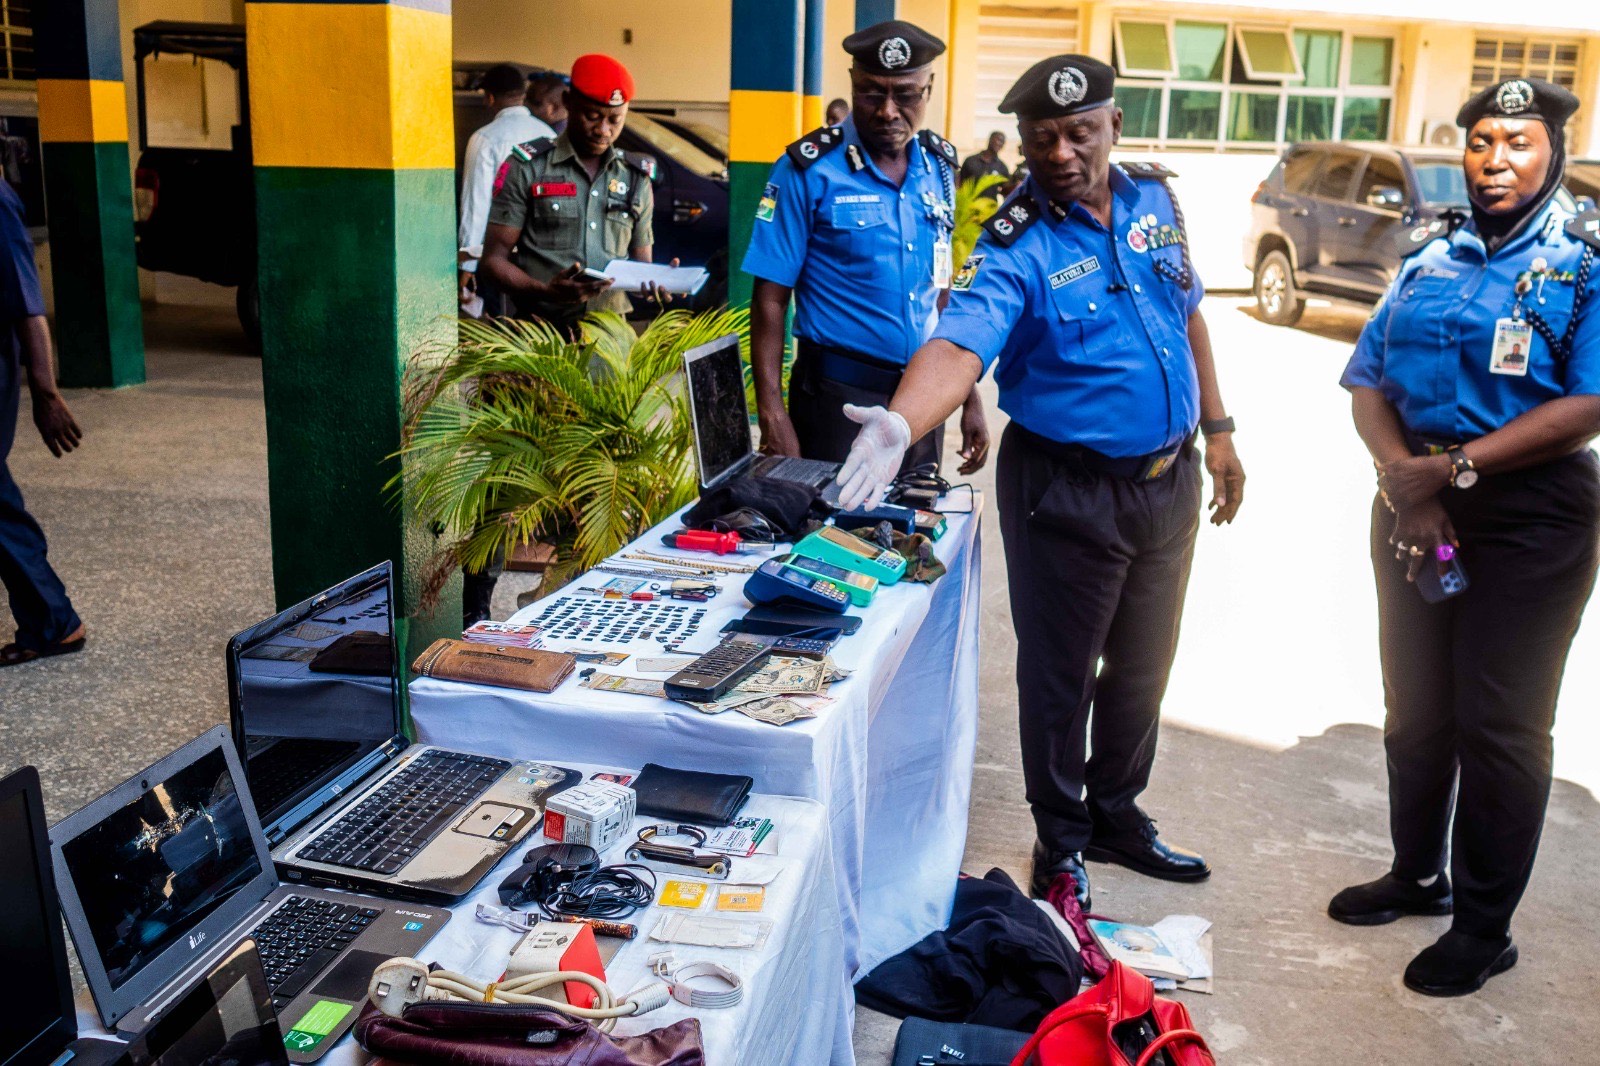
{"x":874,"y":458}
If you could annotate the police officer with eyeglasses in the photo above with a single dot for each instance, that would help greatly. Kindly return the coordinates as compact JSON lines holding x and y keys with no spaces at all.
{"x":855,"y":224}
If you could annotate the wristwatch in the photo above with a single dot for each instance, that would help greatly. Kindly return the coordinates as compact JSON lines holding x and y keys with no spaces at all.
{"x":1463,"y":475}
{"x":1217,"y":425}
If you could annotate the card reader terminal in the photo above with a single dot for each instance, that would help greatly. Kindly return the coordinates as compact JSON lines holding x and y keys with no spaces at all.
{"x":777,"y":581}
{"x":833,"y":545}
{"x":859,"y":587}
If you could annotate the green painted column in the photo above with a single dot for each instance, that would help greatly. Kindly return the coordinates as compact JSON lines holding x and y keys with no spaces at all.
{"x":83,"y":127}
{"x":351,"y":118}
{"x":763,"y":114}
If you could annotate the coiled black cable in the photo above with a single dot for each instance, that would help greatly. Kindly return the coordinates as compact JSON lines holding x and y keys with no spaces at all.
{"x":609,"y":892}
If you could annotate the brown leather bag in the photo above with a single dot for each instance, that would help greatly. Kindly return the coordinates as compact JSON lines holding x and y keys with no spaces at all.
{"x":494,"y":664}
{"x":479,"y":1034}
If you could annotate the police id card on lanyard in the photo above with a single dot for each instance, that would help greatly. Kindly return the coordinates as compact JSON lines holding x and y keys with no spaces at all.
{"x":943,"y":265}
{"x":1512,"y":340}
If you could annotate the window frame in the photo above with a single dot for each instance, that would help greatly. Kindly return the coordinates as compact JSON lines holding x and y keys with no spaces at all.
{"x":1242,"y":51}
{"x":1167,"y":23}
{"x":9,"y":31}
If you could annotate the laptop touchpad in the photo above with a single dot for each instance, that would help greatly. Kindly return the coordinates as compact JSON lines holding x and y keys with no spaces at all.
{"x":349,"y":979}
{"x":495,"y":821}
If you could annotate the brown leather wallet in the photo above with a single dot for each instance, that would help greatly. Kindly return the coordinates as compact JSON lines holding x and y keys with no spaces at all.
{"x":493,"y":664}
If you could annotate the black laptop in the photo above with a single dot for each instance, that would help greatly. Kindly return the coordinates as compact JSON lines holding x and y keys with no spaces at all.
{"x":345,"y":798}
{"x":168,"y":873}
{"x":721,"y":412}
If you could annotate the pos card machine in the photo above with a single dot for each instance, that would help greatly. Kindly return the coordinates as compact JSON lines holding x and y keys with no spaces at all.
{"x":778,"y":581}
{"x":859,"y":587}
{"x":833,"y":545}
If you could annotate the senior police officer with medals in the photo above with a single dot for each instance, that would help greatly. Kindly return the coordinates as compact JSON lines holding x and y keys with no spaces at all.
{"x":855,"y":221}
{"x":573,"y":201}
{"x":1476,"y":388}
{"x":1081,"y":294}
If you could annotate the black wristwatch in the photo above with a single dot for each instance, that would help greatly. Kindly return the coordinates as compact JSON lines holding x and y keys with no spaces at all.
{"x":1217,"y":425}
{"x":1463,"y":475}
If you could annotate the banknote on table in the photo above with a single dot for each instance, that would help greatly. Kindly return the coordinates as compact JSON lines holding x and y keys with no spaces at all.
{"x":777,"y":710}
{"x":637,"y":686}
{"x":781,"y":675}
{"x":727,"y":701}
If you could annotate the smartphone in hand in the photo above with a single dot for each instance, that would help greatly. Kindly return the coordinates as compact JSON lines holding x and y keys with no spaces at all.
{"x":1441,"y":575}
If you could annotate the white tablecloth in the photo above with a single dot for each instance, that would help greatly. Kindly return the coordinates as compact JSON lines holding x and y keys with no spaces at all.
{"x":797,"y":1006}
{"x":891,"y":760}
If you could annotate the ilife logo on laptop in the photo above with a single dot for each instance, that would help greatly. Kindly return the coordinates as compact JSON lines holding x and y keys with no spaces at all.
{"x":196,"y":939}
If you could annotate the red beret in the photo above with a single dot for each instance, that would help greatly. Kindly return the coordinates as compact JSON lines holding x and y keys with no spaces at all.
{"x":601,"y":78}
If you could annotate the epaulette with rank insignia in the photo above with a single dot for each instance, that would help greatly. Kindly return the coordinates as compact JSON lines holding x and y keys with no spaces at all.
{"x":527,"y":151}
{"x":814,"y":145}
{"x":1586,"y":228}
{"x":1151,"y":171}
{"x":643,"y":162}
{"x":1413,"y":239}
{"x":940,"y":147}
{"x":1014,"y":216}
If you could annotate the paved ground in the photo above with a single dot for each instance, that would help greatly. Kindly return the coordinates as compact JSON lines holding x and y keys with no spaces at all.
{"x":1270,"y":761}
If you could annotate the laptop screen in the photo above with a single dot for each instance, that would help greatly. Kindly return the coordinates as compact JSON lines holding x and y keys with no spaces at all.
{"x":224,"y":1020}
{"x":37,"y":1021}
{"x":316,"y":689}
{"x":719,"y":406}
{"x":150,"y":871}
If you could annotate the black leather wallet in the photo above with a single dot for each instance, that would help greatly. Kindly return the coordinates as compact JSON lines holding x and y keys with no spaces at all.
{"x":690,"y":795}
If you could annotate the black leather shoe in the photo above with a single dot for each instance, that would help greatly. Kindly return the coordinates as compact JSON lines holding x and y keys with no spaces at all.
{"x":1458,"y":965}
{"x":1389,"y":898}
{"x":1143,"y":851}
{"x":1046,"y":865}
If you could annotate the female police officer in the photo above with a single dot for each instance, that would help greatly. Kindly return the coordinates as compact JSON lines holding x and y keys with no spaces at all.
{"x":1476,"y":387}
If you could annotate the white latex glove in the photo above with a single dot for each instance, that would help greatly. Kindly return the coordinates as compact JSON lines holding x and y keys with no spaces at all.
{"x":874,"y":458}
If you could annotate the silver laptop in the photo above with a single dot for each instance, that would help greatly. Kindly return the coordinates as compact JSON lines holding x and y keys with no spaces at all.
{"x":167,"y":874}
{"x":316,"y":696}
{"x":723,"y":449}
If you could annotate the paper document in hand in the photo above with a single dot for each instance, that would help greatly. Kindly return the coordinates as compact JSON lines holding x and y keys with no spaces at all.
{"x":628,"y":275}
{"x":1137,"y":947}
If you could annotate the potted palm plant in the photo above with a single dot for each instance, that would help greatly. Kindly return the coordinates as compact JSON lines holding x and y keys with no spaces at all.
{"x":517,"y":434}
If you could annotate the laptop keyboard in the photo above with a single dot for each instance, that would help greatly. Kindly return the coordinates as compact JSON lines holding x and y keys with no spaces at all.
{"x":299,"y":939}
{"x":384,"y":831}
{"x":806,"y":471}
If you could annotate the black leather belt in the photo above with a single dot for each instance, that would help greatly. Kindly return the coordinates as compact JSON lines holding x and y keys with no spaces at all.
{"x":1421,"y":445}
{"x":848,"y":367}
{"x":1134,"y":467}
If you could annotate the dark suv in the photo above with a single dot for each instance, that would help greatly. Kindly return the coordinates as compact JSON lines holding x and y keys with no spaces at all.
{"x":1325,"y":221}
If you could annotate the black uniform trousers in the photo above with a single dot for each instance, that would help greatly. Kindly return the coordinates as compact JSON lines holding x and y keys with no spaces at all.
{"x":816,"y":407}
{"x":1470,"y":684}
{"x":39,"y":600}
{"x":1097,"y":567}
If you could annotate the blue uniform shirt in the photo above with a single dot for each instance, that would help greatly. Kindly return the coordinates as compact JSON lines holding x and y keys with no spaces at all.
{"x":856,"y":249}
{"x":1427,"y":346}
{"x":1091,"y":337}
{"x":20,"y":296}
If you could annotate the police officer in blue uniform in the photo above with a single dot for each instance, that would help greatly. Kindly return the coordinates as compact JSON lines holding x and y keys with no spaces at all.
{"x":1081,"y":295}
{"x":855,"y":222}
{"x":1476,"y":387}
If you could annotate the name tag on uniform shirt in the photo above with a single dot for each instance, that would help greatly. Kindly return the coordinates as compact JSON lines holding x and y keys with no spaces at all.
{"x":1075,"y":271}
{"x":1512,"y":338}
{"x":1437,"y":272}
{"x":858,"y":198}
{"x":554,"y":188}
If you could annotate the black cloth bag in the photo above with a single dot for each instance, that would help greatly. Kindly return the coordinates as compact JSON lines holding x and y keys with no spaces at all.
{"x":785,"y":504}
{"x":1000,"y":962}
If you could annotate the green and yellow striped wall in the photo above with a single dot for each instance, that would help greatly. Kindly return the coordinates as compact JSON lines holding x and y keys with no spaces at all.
{"x":764,"y":111}
{"x":352,"y":126}
{"x":83,"y":127}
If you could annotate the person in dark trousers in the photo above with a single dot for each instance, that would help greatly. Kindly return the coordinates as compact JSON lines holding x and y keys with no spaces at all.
{"x":46,"y":623}
{"x":1476,"y":387}
{"x":1081,"y":295}
{"x":988,"y":161}
{"x":855,"y":223}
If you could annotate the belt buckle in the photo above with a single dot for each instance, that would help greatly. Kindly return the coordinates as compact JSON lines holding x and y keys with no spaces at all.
{"x":1157,"y":465}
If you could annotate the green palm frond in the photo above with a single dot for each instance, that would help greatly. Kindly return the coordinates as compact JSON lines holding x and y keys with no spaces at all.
{"x":976,"y":200}
{"x":517,"y":433}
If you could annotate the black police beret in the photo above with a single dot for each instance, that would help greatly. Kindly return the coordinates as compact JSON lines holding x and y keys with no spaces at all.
{"x":893,"y":47}
{"x":1520,"y":98}
{"x":1060,"y":85}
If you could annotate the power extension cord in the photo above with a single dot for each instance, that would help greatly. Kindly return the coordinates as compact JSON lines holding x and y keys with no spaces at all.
{"x":398,"y":983}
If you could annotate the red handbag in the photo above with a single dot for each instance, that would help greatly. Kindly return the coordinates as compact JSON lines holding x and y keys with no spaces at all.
{"x":1118,"y":1022}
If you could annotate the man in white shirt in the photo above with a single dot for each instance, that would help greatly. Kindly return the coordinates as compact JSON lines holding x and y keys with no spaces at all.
{"x":504,"y":88}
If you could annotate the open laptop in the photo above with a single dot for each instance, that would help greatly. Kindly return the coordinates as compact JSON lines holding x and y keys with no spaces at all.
{"x":721,"y":411}
{"x":226,"y":1019}
{"x":38,"y":1024}
{"x":345,"y":798}
{"x":168,"y":873}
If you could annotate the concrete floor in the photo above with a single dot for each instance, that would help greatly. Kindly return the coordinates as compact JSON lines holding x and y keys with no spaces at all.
{"x":1270,"y":761}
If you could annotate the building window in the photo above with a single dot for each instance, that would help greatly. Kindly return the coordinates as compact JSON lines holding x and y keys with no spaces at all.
{"x":16,"y":41}
{"x":1494,"y":59}
{"x":1250,"y":85}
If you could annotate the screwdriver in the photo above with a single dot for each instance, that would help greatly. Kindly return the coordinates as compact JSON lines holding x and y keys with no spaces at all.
{"x":704,"y":540}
